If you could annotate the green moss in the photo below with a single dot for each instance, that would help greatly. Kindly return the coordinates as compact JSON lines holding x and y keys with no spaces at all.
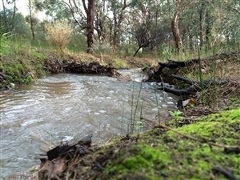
{"x":206,"y":129}
{"x":221,"y":127}
{"x":225,"y":116}
{"x":233,"y":103}
{"x":157,"y":157}
{"x":193,"y":160}
{"x":140,"y":158}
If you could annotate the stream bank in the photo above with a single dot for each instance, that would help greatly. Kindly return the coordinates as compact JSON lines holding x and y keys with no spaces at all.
{"x":201,"y":142}
{"x":208,"y":148}
{"x":187,"y":147}
{"x":209,"y":82}
{"x":25,"y":64}
{"x":66,"y":107}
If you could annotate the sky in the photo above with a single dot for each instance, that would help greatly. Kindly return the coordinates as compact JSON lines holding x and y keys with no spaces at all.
{"x":22,"y":6}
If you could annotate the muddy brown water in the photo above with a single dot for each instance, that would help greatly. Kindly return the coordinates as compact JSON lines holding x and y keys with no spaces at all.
{"x":66,"y":107}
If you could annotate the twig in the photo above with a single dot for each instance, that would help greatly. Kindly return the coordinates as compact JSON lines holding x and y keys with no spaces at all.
{"x":228,"y":174}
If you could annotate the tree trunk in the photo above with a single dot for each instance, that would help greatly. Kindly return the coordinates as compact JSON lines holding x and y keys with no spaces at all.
{"x":208,"y":28}
{"x":90,"y":27}
{"x":13,"y":16}
{"x":31,"y":19}
{"x":32,"y":28}
{"x":90,"y":19}
{"x":176,"y":31}
{"x":190,"y":40}
{"x":115,"y":30}
{"x":118,"y":18}
{"x":201,"y":24}
{"x":4,"y":8}
{"x":4,"y":19}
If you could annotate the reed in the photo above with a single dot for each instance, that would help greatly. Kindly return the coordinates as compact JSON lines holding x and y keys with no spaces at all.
{"x":134,"y":122}
{"x":157,"y":101}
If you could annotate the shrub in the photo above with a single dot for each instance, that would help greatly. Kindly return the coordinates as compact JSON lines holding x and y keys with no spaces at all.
{"x":59,"y":33}
{"x":99,"y":48}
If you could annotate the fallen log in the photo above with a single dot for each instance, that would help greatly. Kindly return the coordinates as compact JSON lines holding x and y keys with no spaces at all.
{"x":171,"y":64}
{"x":61,"y":159}
{"x":169,"y":73}
{"x":205,"y":83}
{"x":224,"y":171}
{"x":194,"y":88}
{"x":181,"y":92}
{"x":65,"y":149}
{"x":164,"y":70}
{"x":187,"y":81}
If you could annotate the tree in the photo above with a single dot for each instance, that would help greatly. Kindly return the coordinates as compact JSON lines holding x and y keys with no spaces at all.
{"x":118,"y":10}
{"x":31,"y":19}
{"x":90,"y":19}
{"x":72,"y":10}
{"x":7,"y":17}
{"x":102,"y":24}
{"x":175,"y":26}
{"x":147,"y":24}
{"x":150,"y":25}
{"x":21,"y":28}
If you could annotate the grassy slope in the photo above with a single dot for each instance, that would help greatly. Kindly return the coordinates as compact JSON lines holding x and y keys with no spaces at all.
{"x":20,"y":62}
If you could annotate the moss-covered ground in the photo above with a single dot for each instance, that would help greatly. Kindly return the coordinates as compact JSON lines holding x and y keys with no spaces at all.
{"x":195,"y":151}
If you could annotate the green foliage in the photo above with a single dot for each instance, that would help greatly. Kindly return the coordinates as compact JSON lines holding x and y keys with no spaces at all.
{"x":21,"y":28}
{"x":77,"y":43}
{"x":102,"y":48}
{"x":5,"y":46}
{"x":166,"y":52}
{"x":127,"y":49}
{"x":55,"y":8}
{"x":14,"y":23}
{"x":177,"y":116}
{"x":119,"y":63}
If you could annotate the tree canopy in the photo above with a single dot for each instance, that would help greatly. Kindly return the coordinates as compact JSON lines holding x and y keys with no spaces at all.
{"x":146,"y":24}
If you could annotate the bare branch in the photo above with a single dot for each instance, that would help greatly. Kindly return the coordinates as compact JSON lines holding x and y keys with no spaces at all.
{"x":84,"y":6}
{"x":72,"y":11}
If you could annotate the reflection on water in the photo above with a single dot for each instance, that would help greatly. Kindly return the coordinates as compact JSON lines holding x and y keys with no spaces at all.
{"x":68,"y":107}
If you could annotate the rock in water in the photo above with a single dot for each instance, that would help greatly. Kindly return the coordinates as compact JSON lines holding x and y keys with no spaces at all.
{"x":86,"y":141}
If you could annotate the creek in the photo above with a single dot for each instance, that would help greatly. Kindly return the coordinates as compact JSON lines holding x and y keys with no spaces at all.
{"x":67,"y":107}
